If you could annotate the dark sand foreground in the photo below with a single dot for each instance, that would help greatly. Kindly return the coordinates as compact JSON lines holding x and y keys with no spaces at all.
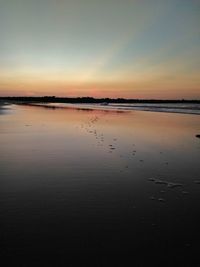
{"x":99,"y":188}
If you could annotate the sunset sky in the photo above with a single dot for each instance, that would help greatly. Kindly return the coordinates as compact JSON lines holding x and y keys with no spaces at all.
{"x":100,"y":48}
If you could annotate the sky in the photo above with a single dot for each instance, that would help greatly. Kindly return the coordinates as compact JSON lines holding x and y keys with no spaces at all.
{"x":100,"y":48}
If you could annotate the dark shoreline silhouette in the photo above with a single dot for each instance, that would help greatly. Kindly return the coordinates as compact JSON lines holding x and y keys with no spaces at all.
{"x":79,"y":100}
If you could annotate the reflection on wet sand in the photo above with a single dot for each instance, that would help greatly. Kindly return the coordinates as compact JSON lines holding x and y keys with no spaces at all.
{"x":96,"y":183}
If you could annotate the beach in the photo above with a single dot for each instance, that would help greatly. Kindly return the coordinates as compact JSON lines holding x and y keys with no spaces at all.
{"x":94,"y":185}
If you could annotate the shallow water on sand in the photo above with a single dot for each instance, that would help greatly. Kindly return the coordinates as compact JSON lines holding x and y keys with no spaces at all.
{"x":86,"y":186}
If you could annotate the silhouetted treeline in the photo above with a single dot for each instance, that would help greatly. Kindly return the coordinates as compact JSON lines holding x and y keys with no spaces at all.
{"x":54,"y":99}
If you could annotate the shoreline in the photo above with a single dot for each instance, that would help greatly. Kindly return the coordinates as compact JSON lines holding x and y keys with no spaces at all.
{"x":121,"y":108}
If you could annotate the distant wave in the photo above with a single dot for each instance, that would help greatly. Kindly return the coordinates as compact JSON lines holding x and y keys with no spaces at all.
{"x":160,"y":107}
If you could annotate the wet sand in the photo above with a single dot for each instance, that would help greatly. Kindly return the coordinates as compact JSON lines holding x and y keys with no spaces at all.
{"x":99,"y":187}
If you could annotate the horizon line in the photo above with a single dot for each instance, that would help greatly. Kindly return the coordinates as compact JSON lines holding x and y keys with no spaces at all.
{"x":101,"y":98}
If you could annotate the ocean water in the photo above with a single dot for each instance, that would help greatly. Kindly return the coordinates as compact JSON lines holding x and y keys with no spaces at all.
{"x":163,"y":107}
{"x":187,"y":108}
{"x":99,"y":187}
